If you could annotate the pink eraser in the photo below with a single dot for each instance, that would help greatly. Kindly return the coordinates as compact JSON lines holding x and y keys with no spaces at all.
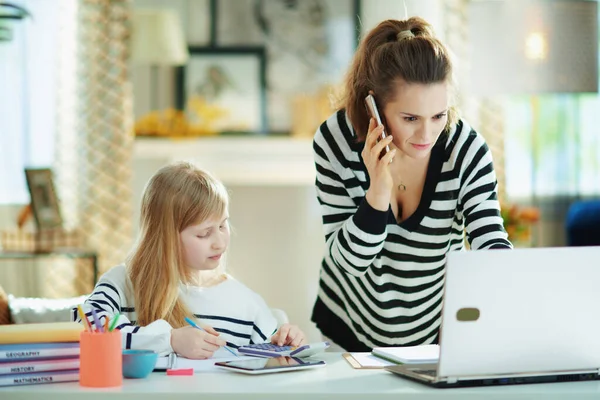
{"x":180,"y":372}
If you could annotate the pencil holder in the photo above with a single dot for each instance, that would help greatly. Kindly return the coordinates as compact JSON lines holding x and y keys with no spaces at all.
{"x":100,"y":361}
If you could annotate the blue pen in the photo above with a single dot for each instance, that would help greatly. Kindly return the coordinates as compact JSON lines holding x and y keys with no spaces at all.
{"x":192,"y":323}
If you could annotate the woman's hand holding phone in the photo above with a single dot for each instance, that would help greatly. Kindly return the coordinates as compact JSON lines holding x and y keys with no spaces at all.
{"x":380,"y":190}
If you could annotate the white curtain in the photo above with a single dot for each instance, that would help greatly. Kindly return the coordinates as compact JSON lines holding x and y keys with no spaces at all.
{"x":27,"y":95}
{"x":28,"y":108}
{"x":66,"y":103}
{"x":95,"y":142}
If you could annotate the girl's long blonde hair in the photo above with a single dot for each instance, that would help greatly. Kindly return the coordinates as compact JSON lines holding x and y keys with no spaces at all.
{"x":177,"y":196}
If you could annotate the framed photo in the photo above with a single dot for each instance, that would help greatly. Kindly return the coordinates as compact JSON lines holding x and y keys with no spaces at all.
{"x":222,"y":89}
{"x":44,"y":202}
{"x":309,"y":44}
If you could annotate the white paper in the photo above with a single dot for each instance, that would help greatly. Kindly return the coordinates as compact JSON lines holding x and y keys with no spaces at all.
{"x":426,"y":354}
{"x":201,"y":365}
{"x":369,"y":360}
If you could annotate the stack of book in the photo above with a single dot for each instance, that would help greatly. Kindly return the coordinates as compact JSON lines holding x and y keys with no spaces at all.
{"x":39,"y":353}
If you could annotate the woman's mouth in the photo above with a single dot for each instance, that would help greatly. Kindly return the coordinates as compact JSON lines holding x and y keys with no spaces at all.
{"x":421,"y":146}
{"x":216,"y":258}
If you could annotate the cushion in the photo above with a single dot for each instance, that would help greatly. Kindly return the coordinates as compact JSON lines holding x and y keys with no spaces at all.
{"x":583,"y":223}
{"x":30,"y":309}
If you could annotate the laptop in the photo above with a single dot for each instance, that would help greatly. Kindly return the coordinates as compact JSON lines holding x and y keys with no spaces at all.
{"x":517,"y":316}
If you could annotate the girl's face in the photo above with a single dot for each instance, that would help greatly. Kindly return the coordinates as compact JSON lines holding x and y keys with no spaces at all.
{"x":416,"y":117}
{"x":204,"y":244}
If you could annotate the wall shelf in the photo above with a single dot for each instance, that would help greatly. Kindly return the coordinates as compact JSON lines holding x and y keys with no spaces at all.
{"x":256,"y":160}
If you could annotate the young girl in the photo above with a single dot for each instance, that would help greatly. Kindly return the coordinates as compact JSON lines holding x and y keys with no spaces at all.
{"x":184,"y":233}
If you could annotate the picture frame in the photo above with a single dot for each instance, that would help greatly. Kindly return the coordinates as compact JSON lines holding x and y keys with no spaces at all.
{"x":44,"y":201}
{"x":223,"y":89}
{"x":309,"y":45}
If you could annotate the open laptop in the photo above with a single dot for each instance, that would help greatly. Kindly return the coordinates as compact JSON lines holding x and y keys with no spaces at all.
{"x":517,"y":316}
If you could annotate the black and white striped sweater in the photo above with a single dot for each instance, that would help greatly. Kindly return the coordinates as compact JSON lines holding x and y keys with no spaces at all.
{"x":381,"y":281}
{"x":240,"y":315}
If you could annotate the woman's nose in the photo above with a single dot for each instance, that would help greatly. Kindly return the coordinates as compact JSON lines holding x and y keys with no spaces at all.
{"x":425,"y":131}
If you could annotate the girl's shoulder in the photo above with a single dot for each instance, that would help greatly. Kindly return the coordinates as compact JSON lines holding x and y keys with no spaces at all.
{"x":117,"y":274}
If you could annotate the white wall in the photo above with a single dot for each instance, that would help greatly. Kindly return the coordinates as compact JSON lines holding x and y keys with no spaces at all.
{"x":375,"y":11}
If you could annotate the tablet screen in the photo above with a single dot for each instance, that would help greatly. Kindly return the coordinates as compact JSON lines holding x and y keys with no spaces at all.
{"x":261,"y":364}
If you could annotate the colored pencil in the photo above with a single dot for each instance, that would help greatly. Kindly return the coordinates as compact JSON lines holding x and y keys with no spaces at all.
{"x":84,"y":319}
{"x":114,"y":322}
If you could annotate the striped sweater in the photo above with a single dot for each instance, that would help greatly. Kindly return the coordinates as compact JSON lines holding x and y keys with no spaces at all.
{"x":240,"y":315}
{"x":381,"y":281}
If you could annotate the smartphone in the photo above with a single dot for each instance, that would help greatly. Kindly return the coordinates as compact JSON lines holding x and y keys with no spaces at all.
{"x":374,"y":113}
{"x":269,"y":365}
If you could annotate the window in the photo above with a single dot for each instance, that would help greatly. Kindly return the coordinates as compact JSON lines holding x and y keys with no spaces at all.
{"x":28,"y":96}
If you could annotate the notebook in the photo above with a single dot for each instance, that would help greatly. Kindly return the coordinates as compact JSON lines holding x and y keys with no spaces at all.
{"x":31,"y":351}
{"x":425,"y":354}
{"x":40,"y":333}
{"x":35,"y":366}
{"x":40,"y":377}
{"x":366,"y":361}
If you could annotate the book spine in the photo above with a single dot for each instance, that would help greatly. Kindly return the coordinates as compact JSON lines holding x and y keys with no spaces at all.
{"x":38,"y":366}
{"x":44,"y":377}
{"x":31,"y":354}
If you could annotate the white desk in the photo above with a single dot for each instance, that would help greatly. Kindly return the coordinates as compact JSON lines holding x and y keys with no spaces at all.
{"x":336,"y":381}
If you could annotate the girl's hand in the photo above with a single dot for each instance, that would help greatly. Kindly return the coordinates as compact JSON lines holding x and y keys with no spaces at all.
{"x":193,"y":343}
{"x":380,"y":189}
{"x":288,"y":335}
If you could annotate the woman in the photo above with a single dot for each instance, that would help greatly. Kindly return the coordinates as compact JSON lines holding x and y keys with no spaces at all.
{"x":390,"y":218}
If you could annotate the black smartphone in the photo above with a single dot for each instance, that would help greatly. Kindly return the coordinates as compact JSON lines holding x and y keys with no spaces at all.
{"x":374,"y":113}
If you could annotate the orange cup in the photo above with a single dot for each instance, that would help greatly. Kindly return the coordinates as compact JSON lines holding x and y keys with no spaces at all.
{"x":100,"y":361}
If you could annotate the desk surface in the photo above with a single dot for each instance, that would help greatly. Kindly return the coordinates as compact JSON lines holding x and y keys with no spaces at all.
{"x":336,"y":381}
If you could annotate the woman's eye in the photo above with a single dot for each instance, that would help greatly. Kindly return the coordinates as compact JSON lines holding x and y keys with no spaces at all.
{"x":410,"y":119}
{"x":439,"y":116}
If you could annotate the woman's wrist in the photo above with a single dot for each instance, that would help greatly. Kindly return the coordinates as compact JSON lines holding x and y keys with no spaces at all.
{"x":377,"y":201}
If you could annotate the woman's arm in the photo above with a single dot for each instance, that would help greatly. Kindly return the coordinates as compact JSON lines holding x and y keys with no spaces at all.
{"x":478,"y":197}
{"x":354,"y":231}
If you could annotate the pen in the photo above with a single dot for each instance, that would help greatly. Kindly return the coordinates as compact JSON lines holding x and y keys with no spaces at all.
{"x":97,"y":323}
{"x":192,"y":323}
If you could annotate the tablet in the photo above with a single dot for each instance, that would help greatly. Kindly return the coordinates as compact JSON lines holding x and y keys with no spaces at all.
{"x":269,"y":365}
